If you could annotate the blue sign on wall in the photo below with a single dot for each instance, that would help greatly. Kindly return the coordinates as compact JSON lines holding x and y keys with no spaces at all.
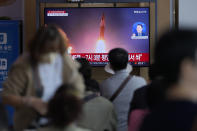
{"x":9,"y":46}
{"x":9,"y":51}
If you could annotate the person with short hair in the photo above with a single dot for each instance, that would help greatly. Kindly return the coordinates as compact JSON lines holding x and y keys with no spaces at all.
{"x":120,"y":68}
{"x":139,"y":30}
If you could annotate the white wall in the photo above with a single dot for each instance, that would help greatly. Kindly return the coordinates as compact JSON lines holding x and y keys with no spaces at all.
{"x":15,"y":10}
{"x":188,"y":13}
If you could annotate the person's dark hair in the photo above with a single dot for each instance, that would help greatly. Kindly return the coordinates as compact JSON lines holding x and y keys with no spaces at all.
{"x":47,"y":39}
{"x":156,"y":93}
{"x":85,"y":68}
{"x":86,"y":71}
{"x":92,"y":85}
{"x":171,"y":50}
{"x":118,"y":58}
{"x":152,"y":72}
{"x":65,"y":107}
{"x":140,"y":25}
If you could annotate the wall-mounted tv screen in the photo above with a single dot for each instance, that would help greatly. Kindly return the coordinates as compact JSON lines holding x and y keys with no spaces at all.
{"x":93,"y":32}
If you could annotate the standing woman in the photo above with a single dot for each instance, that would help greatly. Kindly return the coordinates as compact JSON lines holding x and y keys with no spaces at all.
{"x":36,"y":75}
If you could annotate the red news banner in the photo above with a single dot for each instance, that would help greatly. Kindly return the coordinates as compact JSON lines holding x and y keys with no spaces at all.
{"x":103,"y":57}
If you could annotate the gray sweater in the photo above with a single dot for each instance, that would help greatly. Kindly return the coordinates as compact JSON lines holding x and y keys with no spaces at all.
{"x":121,"y":102}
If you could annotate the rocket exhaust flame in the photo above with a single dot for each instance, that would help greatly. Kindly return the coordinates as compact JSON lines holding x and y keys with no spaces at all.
{"x":100,"y":46}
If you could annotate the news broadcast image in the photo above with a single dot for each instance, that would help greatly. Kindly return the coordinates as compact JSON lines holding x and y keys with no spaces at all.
{"x":93,"y":32}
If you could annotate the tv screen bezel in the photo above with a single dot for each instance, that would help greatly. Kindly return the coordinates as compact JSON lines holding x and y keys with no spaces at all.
{"x":44,"y":6}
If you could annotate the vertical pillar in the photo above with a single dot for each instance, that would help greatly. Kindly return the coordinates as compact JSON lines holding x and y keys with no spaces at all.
{"x":29,"y":20}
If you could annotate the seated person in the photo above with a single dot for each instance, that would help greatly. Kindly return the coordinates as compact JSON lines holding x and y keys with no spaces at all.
{"x":63,"y":110}
{"x":98,"y":112}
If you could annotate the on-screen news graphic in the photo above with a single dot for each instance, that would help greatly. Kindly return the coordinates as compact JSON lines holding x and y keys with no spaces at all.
{"x":57,"y":13}
{"x":93,"y":32}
